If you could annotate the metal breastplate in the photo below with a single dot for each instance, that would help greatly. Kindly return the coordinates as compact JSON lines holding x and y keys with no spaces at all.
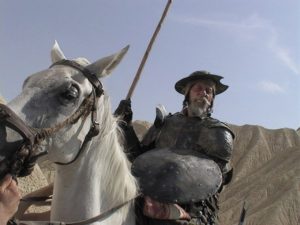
{"x":182,"y":168}
{"x":208,"y":136}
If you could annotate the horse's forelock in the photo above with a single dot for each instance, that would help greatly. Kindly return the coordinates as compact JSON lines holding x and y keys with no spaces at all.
{"x":82,"y":61}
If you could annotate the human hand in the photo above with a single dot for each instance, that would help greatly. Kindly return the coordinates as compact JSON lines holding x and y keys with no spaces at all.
{"x":9,"y":199}
{"x":124,"y":110}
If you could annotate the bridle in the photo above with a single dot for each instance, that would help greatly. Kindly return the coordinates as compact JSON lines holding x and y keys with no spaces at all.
{"x":95,"y":96}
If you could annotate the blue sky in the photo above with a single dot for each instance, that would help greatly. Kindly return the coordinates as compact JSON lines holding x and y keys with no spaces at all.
{"x":254,"y":44}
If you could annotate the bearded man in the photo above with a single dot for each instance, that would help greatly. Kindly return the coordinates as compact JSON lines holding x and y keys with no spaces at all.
{"x":183,"y":161}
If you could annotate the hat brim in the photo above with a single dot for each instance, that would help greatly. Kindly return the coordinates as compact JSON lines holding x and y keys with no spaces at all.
{"x":181,"y":84}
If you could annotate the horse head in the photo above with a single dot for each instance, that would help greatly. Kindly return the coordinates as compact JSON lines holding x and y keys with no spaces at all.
{"x":71,"y":119}
{"x":51,"y":96}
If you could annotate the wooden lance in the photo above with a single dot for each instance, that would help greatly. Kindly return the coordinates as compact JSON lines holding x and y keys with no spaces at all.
{"x":139,"y":71}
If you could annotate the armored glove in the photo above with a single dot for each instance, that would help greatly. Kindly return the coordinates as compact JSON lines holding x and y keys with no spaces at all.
{"x":124,"y":111}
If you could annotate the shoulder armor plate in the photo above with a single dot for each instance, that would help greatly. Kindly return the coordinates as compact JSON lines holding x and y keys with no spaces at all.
{"x":214,"y":123}
{"x":161,"y":114}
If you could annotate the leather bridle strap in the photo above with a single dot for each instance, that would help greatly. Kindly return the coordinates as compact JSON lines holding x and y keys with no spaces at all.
{"x":24,"y":156}
{"x":92,"y":77}
{"x":101,"y":216}
{"x":97,"y":92}
{"x":12,"y":120}
{"x":87,"y":139}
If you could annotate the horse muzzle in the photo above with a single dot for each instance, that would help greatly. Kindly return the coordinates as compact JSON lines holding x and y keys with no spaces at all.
{"x":19,"y":144}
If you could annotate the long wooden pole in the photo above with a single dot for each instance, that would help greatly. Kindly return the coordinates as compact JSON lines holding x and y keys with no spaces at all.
{"x":140,"y":69}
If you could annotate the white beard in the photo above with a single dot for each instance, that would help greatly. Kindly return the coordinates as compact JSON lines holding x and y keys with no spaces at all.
{"x":198,"y":108}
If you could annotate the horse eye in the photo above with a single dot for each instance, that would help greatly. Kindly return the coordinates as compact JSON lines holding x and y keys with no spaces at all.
{"x":70,"y":94}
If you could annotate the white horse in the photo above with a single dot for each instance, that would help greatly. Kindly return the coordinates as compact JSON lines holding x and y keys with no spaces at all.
{"x":99,"y":179}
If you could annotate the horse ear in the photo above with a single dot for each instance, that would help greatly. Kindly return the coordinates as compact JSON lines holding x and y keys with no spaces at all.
{"x":106,"y":65}
{"x":56,"y":53}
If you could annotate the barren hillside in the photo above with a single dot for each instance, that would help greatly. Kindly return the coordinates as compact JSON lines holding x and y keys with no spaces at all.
{"x":266,"y":176}
{"x":2,"y":100}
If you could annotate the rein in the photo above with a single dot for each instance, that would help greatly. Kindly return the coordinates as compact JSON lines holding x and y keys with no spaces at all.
{"x":98,"y":218}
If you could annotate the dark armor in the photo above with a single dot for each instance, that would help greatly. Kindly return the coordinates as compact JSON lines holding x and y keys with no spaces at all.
{"x":209,"y":138}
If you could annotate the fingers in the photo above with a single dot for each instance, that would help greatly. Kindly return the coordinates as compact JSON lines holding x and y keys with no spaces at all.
{"x":124,"y":108}
{"x":6,"y":181}
{"x":9,"y":184}
{"x":13,"y":187}
{"x":128,"y":101}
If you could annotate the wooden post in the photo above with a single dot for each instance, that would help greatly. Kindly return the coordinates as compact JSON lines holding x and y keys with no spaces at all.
{"x":139,"y":71}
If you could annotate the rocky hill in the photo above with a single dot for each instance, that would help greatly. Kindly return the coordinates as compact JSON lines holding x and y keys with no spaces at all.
{"x":2,"y":100}
{"x":266,"y":176}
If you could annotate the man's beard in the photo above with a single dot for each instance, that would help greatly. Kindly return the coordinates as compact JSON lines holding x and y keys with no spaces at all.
{"x":199,"y":107}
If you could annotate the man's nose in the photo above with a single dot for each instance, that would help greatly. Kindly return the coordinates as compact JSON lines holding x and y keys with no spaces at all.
{"x":202,"y":93}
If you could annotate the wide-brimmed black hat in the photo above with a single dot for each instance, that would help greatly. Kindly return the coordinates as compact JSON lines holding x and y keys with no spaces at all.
{"x":180,"y":85}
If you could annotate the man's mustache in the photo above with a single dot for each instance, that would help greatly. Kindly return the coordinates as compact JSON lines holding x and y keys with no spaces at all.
{"x":202,"y":100}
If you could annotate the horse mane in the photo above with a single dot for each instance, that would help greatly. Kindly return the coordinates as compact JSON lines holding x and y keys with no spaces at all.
{"x":116,"y":175}
{"x":113,"y":167}
{"x":113,"y":162}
